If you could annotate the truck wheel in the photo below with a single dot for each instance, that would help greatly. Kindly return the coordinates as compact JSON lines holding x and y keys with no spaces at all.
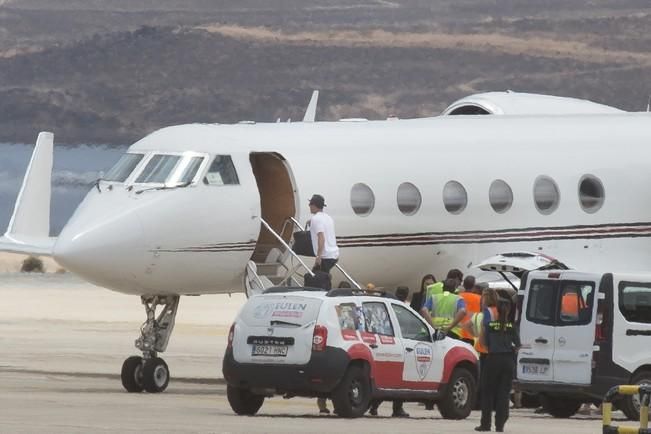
{"x":242,"y":401}
{"x":561,"y":408}
{"x":459,"y":396}
{"x":630,"y":404}
{"x":352,"y":395}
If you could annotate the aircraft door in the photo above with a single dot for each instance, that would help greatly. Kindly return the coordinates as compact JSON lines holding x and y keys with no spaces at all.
{"x":276,"y":191}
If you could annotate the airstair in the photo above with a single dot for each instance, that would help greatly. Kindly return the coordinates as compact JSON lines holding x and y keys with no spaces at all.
{"x":282,"y":266}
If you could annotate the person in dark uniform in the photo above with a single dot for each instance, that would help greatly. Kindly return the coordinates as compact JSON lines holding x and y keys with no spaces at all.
{"x":501,"y":340}
{"x":418,"y":299}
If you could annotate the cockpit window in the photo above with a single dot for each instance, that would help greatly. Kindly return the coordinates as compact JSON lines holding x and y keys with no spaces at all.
{"x":158,"y":169}
{"x":191,"y":170}
{"x":123,"y":168}
{"x":222,"y":172}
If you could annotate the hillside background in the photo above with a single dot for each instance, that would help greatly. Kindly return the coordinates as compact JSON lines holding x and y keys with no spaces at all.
{"x":111,"y":71}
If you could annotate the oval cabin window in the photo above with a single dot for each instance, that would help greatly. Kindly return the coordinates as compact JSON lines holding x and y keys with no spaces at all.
{"x":591,"y":193}
{"x":455,"y":197}
{"x":362,"y":199}
{"x":500,"y":196}
{"x":409,"y":198}
{"x":546,"y":195}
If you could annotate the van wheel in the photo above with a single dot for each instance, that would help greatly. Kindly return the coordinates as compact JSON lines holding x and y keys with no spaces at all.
{"x":530,"y":400}
{"x":561,"y":408}
{"x":630,"y":404}
{"x":459,"y":395}
{"x":352,"y":396}
{"x":242,"y":401}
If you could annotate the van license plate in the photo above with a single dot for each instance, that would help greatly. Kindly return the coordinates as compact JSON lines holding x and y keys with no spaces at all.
{"x":535,"y":369}
{"x":269,"y":350}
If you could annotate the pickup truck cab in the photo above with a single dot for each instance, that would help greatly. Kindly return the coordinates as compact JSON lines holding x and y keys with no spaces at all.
{"x":346,"y":345}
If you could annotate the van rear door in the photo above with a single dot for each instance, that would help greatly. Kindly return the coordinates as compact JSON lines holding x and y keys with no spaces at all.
{"x":575,"y":331}
{"x":537,"y":331}
{"x":276,"y":329}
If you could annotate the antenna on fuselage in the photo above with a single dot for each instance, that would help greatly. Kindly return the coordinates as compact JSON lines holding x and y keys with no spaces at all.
{"x":648,"y":104}
{"x":310,"y":112}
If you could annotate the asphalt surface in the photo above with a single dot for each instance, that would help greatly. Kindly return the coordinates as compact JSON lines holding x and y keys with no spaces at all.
{"x":62,"y":343}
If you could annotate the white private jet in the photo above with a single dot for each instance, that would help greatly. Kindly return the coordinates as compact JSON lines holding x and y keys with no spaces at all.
{"x":204,"y":209}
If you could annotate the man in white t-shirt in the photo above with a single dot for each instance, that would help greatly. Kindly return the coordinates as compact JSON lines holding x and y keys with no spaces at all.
{"x":322,"y":231}
{"x":324,"y":243}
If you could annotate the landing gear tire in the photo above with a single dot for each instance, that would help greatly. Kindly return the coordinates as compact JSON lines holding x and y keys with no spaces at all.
{"x":242,"y":401}
{"x":352,"y":396}
{"x":459,"y":395}
{"x":561,"y":408}
{"x":630,"y":404}
{"x":132,"y":374}
{"x":155,"y":375}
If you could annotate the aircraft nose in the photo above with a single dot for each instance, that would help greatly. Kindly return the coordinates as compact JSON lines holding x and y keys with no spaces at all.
{"x":106,"y":250}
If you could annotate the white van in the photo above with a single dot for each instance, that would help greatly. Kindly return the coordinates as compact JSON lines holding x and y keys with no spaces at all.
{"x":583,"y":333}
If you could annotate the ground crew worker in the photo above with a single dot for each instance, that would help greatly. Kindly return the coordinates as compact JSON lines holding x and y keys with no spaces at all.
{"x":501,"y":340}
{"x":488,"y":301}
{"x":571,"y":305}
{"x":446,"y":310}
{"x":418,"y":299}
{"x":473,"y":306}
{"x":437,"y":287}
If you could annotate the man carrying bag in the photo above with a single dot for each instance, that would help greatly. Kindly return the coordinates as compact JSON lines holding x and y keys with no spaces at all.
{"x":324,"y":244}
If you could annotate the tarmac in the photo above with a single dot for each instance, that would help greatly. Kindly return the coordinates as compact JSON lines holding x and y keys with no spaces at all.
{"x":62,"y":343}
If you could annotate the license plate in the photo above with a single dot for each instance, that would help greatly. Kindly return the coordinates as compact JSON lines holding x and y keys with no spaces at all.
{"x":535,"y":369}
{"x":269,"y":350}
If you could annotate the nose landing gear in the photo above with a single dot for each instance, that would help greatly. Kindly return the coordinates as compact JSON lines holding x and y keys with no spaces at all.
{"x":150,"y":372}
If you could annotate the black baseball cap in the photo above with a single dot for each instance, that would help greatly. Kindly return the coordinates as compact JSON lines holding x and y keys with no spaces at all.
{"x":318,"y":201}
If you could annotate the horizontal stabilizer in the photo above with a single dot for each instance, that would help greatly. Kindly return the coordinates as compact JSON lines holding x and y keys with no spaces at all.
{"x":29,"y":227}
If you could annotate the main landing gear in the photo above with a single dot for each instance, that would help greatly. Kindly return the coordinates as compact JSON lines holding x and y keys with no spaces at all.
{"x":150,"y":372}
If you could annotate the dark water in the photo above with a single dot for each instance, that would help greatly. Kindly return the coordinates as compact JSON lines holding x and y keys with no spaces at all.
{"x":75,"y":170}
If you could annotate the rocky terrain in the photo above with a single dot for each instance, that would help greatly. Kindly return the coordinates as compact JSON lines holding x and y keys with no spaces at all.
{"x":110,"y":71}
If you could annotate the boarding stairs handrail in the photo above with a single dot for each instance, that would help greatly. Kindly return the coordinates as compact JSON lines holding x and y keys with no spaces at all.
{"x":339,"y":267}
{"x":286,"y":246}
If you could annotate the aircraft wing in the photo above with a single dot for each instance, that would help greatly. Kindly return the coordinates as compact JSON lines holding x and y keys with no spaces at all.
{"x":29,"y":227}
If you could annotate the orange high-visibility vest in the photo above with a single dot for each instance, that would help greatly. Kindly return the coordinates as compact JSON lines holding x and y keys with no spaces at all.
{"x":473,"y":306}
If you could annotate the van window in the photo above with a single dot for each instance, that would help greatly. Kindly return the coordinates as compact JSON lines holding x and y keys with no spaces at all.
{"x":158,"y":169}
{"x":410,"y":326}
{"x":222,"y":172}
{"x":541,"y":306}
{"x":576,"y":303}
{"x":635,"y":301}
{"x":123,"y":168}
{"x":376,"y":318}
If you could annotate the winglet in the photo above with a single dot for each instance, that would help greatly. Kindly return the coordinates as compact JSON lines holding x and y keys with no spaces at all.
{"x":310,"y":112}
{"x":29,"y":227}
